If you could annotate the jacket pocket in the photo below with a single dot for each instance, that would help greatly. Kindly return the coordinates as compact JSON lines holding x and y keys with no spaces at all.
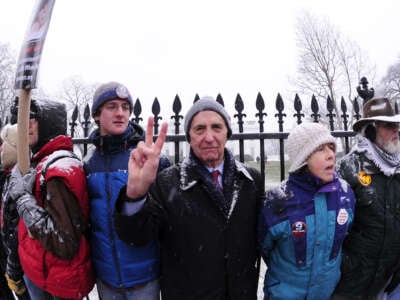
{"x":365,"y":196}
{"x":350,"y":267}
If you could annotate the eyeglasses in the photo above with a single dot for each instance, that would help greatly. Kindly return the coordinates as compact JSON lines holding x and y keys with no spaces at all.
{"x":112,"y":106}
{"x":388,"y":125}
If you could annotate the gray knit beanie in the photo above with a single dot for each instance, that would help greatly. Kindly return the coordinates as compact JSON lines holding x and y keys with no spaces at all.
{"x":203,"y":104}
{"x":109,"y":91}
{"x":303,"y":140}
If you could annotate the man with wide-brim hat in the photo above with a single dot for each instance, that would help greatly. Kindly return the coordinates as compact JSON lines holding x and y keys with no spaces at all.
{"x":371,"y":251}
{"x":378,"y":109}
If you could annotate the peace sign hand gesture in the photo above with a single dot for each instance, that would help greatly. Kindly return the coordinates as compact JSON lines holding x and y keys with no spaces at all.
{"x":143,"y":162}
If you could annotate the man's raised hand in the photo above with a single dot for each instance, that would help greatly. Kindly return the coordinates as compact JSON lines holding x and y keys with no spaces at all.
{"x":143,"y":161}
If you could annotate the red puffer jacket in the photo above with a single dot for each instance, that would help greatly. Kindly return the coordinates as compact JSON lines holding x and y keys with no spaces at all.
{"x":55,"y":253}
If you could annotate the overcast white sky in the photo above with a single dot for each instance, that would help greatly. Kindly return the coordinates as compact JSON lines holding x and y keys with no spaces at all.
{"x":160,"y":48}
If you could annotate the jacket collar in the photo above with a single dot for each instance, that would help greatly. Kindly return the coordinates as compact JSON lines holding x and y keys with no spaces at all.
{"x":60,"y":142}
{"x":111,"y":144}
{"x":311,"y":183}
{"x":192,"y":170}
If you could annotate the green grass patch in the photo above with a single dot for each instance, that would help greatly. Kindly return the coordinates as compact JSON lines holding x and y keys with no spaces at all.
{"x":272,"y":172}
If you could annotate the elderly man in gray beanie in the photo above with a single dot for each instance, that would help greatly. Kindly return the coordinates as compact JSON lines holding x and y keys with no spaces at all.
{"x":203,"y":211}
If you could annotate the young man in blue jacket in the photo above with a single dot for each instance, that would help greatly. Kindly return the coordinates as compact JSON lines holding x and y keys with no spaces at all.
{"x":122,"y":270}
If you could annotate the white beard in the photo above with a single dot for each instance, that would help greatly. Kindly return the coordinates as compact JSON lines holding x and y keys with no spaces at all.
{"x":392,"y":147}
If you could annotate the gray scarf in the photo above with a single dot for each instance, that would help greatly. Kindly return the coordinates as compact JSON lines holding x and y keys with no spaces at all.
{"x":388,"y":163}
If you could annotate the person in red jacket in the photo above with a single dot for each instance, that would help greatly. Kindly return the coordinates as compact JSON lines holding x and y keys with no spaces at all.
{"x":53,"y":205}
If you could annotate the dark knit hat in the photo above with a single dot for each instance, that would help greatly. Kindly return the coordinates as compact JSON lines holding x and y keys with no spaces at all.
{"x":203,"y":104}
{"x":14,"y":110}
{"x":109,"y":91}
{"x":52,"y":118}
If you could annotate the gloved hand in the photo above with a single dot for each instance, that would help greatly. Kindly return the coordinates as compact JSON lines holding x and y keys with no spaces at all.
{"x":21,"y":184}
{"x":17,"y":286}
{"x":28,"y":209}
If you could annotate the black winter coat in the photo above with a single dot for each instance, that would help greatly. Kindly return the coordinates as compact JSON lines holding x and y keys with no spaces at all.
{"x":9,"y":234}
{"x":204,"y":254}
{"x":371,"y":252}
{"x":9,"y":260}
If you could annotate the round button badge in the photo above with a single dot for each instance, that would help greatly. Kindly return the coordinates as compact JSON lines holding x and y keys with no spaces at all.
{"x":342,"y":216}
{"x":122,"y":92}
{"x":299,"y":229}
{"x":364,"y":178}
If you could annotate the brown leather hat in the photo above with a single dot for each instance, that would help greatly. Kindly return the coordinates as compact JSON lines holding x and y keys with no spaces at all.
{"x":377,"y":109}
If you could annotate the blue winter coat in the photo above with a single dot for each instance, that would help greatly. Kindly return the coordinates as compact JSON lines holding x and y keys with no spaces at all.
{"x":116,"y":263}
{"x":302,"y":227}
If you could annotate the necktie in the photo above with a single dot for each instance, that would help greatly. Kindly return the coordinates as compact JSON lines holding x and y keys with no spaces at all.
{"x":215,"y":174}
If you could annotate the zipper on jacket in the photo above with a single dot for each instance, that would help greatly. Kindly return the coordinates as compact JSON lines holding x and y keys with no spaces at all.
{"x":110,"y":228}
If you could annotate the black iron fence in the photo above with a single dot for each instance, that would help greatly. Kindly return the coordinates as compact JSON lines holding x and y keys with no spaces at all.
{"x":337,"y":117}
{"x":339,"y":124}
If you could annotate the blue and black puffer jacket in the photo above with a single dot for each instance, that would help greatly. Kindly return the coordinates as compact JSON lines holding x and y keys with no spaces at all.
{"x":301,"y":231}
{"x":116,"y":263}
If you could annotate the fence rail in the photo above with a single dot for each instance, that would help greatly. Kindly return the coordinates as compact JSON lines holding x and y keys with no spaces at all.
{"x":336,"y":118}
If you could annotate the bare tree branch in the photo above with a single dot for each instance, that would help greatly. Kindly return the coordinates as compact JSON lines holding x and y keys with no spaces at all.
{"x":7,"y":76}
{"x":329,"y":64}
{"x":391,"y":82}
